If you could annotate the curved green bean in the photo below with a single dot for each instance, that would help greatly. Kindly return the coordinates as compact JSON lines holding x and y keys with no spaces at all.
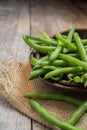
{"x":33,"y":60}
{"x":49,"y":42}
{"x":51,"y":118}
{"x":42,"y":49}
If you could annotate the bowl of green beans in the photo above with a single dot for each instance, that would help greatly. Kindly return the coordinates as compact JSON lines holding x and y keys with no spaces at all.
{"x":60,"y":60}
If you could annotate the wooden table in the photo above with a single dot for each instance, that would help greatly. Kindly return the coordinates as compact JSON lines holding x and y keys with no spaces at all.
{"x":27,"y":16}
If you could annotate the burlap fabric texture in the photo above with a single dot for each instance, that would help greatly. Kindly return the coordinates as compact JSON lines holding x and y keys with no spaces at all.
{"x":14,"y":83}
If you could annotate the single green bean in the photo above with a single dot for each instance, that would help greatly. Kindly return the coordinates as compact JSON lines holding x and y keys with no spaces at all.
{"x":62,"y":70}
{"x":51,"y":96}
{"x":84,"y":41}
{"x":42,"y":49}
{"x":42,"y":59}
{"x":77,"y":79}
{"x":33,"y":60}
{"x":51,"y":118}
{"x":55,"y":53}
{"x":44,"y":34}
{"x":64,"y":36}
{"x":36,"y":73}
{"x":73,"y":61}
{"x":65,"y":50}
{"x":51,"y":42}
{"x":78,"y":113}
{"x":70,"y":76}
{"x":71,"y":32}
{"x":80,"y":47}
{"x":50,"y":67}
{"x":36,"y":66}
{"x":66,"y":43}
{"x":59,"y":77}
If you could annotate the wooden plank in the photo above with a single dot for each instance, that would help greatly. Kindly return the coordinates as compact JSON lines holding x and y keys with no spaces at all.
{"x":55,"y":15}
{"x":11,"y":119}
{"x":14,"y":21}
{"x":15,"y":24}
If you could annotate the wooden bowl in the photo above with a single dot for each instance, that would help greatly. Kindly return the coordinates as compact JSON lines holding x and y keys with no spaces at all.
{"x":62,"y":85}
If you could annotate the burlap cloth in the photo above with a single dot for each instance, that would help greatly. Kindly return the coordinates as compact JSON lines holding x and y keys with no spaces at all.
{"x":14,"y":83}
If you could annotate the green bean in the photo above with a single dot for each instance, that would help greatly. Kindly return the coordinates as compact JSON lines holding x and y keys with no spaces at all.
{"x":51,"y":96}
{"x":55,"y":53}
{"x":70,"y":76}
{"x":65,"y":50}
{"x":35,"y":73}
{"x":84,"y":41}
{"x":33,"y":60}
{"x":84,"y":78}
{"x":57,"y":78}
{"x":45,"y":63}
{"x":78,"y":113}
{"x":42,"y":59}
{"x":73,"y":61}
{"x":74,"y":55}
{"x":80,"y":47}
{"x":64,"y":36}
{"x":42,"y":49}
{"x":51,"y":42}
{"x":36,"y":66}
{"x":66,"y":43}
{"x":38,"y":63}
{"x":51,"y":118}
{"x":70,"y":34}
{"x":55,"y":63}
{"x":77,"y":79}
{"x":50,"y":67}
{"x":62,"y":70}
{"x":44,"y":34}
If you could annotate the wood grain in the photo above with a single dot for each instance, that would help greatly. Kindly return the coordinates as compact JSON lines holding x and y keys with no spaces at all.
{"x":14,"y":21}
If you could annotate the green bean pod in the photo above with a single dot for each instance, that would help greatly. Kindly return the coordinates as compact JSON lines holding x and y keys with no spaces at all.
{"x":42,"y":49}
{"x":66,"y":43}
{"x":84,"y":41}
{"x":80,"y":47}
{"x":71,"y":32}
{"x":44,"y":34}
{"x":73,"y":61}
{"x":51,"y":118}
{"x":36,"y":73}
{"x":63,"y":71}
{"x":78,"y":113}
{"x":49,"y":42}
{"x":33,"y":60}
{"x":50,"y":67}
{"x":55,"y":53}
{"x":57,"y":97}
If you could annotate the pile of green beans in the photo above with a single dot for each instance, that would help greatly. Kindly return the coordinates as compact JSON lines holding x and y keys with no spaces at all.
{"x":68,"y":125}
{"x":59,"y":57}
